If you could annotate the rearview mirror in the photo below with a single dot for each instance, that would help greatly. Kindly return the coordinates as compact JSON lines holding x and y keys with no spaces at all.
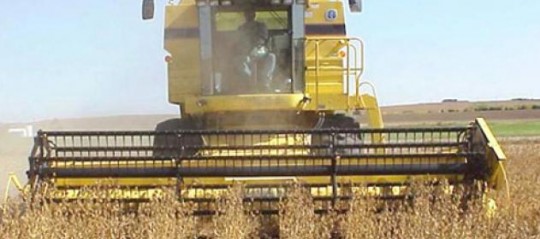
{"x":355,"y":5}
{"x":148,"y":9}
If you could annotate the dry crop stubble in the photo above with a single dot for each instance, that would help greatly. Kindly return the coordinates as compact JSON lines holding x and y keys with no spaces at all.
{"x":297,"y":218}
{"x":233,"y":220}
{"x":432,"y":214}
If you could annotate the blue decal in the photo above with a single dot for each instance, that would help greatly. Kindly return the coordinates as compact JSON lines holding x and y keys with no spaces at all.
{"x":331,"y":14}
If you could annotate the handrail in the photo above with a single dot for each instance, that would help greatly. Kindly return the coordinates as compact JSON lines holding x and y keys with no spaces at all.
{"x":373,"y":92}
{"x":353,"y":67}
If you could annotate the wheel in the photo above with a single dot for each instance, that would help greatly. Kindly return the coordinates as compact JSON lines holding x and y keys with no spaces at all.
{"x":337,"y":122}
{"x":169,"y":144}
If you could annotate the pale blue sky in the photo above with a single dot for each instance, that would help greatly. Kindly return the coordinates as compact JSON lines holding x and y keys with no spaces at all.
{"x":89,"y":58}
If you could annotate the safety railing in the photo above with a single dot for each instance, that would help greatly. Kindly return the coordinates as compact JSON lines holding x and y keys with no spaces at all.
{"x":352,"y":52}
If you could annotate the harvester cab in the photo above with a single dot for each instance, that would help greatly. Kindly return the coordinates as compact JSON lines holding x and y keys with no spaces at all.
{"x":266,"y":91}
{"x":246,"y":59}
{"x":250,"y":50}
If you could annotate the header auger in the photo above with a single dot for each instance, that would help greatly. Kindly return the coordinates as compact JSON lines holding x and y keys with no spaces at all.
{"x":266,"y":90}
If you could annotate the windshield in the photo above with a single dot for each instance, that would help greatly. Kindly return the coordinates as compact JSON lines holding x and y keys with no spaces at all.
{"x":252,"y":51}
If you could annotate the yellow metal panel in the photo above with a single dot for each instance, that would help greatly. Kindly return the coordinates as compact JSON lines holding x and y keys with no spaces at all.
{"x":81,"y":182}
{"x":495,"y":156}
{"x":358,"y":182}
{"x":492,"y":141}
{"x":184,"y":15}
{"x":325,"y":75}
{"x":328,"y":50}
{"x":222,"y":103}
{"x":182,"y":43}
{"x":263,"y":102}
{"x":316,"y":12}
{"x":369,"y":103}
{"x":325,"y":88}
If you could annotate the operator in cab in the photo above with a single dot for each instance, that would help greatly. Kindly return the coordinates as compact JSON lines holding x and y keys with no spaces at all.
{"x":258,"y":63}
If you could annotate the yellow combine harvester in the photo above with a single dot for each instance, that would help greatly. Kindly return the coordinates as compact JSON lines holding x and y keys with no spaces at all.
{"x":266,"y":91}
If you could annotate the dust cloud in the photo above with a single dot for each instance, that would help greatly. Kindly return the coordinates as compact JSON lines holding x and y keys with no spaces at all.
{"x":15,"y":149}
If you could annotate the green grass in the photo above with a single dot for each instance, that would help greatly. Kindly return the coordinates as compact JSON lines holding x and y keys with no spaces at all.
{"x":515,"y":128}
{"x":501,"y":128}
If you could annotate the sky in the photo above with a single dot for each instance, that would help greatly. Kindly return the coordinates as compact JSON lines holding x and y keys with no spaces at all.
{"x":66,"y":59}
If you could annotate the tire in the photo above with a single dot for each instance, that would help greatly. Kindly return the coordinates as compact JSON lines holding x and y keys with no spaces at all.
{"x":337,"y":122}
{"x":168,"y":144}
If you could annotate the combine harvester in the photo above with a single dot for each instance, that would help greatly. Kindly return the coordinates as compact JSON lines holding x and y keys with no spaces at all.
{"x":284,"y":110}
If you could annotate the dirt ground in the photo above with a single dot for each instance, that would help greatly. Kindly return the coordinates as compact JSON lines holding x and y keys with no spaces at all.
{"x":458,"y":106}
{"x":417,"y":118}
{"x":15,"y":149}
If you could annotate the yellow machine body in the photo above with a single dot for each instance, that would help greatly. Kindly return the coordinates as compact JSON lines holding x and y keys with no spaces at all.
{"x":333,"y":62}
{"x":301,"y":131}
